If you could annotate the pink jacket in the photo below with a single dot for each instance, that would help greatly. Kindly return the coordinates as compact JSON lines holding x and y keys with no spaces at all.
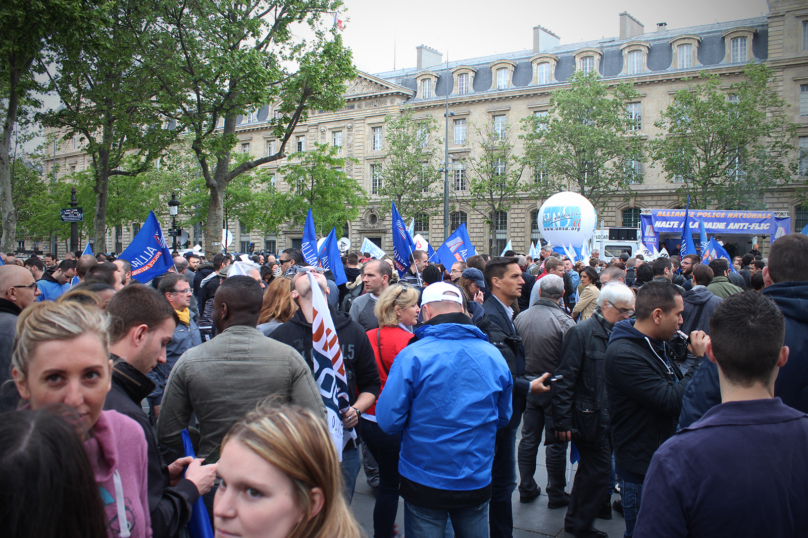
{"x":118,"y":455}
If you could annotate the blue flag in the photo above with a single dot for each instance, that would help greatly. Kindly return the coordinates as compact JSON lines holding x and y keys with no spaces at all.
{"x":403,"y":244}
{"x":148,"y":252}
{"x":805,"y":230}
{"x":688,"y":247}
{"x":704,"y":240}
{"x":433,"y":256}
{"x":199,"y":525}
{"x":87,"y":250}
{"x":717,"y":251}
{"x":309,"y":247}
{"x":2,"y":262}
{"x":457,"y":248}
{"x":330,"y":258}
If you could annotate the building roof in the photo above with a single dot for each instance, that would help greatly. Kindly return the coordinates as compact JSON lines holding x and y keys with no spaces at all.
{"x":710,"y":53}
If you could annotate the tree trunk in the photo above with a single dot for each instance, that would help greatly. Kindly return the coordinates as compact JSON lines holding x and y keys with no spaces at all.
{"x":8,"y":214}
{"x":101,"y":189}
{"x":213,"y":228}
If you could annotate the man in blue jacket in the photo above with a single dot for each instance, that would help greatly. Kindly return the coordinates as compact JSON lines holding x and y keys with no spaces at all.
{"x":53,"y":286}
{"x":786,"y":279}
{"x":447,"y":393}
{"x":699,"y":482}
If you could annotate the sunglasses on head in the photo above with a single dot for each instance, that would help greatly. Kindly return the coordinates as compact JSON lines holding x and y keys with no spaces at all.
{"x":295,"y":269}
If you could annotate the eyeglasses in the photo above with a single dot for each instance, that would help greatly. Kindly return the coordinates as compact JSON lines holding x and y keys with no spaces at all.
{"x":622,"y":311}
{"x":285,"y":261}
{"x":29,"y":286}
{"x":404,"y":287}
{"x":181,"y":291}
{"x":295,"y":269}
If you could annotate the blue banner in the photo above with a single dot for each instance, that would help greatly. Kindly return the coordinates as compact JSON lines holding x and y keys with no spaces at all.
{"x":782,"y":227}
{"x":309,"y":247}
{"x":704,"y":240}
{"x":403,"y":244}
{"x":457,"y":248}
{"x":148,"y":252}
{"x":717,"y":251}
{"x":432,"y":255}
{"x":716,"y":222}
{"x":330,"y":258}
{"x":649,"y":236}
{"x":688,"y":247}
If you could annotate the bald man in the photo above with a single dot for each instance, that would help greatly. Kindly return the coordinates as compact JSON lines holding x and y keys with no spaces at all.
{"x":17,"y":291}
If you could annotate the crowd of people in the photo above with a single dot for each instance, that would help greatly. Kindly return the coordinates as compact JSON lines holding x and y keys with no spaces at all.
{"x":682,"y":386}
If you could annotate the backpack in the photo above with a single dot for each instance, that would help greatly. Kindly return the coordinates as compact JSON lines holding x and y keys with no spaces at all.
{"x":349,"y":298}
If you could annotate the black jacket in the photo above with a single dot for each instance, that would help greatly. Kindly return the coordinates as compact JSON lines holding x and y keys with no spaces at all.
{"x":699,"y":307}
{"x":645,"y":388}
{"x":360,"y":362}
{"x":201,"y":273}
{"x":631,"y":274}
{"x":527,"y":287}
{"x":580,"y":402}
{"x":170,"y":507}
{"x":9,"y":397}
{"x":521,"y":386}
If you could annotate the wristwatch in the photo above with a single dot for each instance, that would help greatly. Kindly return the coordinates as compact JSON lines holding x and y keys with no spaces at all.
{"x":358,"y":412}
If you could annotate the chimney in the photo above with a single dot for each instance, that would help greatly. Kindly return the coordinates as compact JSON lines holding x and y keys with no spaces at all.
{"x":544,"y":39}
{"x":662,"y":26}
{"x":428,"y":57}
{"x":629,"y":26}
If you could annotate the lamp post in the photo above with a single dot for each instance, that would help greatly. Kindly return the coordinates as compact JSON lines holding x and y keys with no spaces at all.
{"x":173,"y":209}
{"x":74,"y":226}
{"x":446,"y":166}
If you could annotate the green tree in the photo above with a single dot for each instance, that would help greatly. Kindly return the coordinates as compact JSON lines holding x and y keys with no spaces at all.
{"x":229,"y":58}
{"x":727,"y":145}
{"x":494,"y":172}
{"x":109,"y":101}
{"x":27,"y":30}
{"x":587,"y":142}
{"x":411,"y":167}
{"x":316,"y":180}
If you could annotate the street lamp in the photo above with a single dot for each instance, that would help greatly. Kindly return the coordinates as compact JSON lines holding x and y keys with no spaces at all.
{"x":447,"y":114}
{"x":173,"y":209}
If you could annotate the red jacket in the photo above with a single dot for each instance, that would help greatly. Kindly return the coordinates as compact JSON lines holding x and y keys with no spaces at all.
{"x":393,"y":340}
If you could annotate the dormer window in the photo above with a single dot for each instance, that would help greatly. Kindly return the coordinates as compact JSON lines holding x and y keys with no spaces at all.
{"x":685,"y":51}
{"x":544,"y":68}
{"x":635,"y":54}
{"x":502,"y":74}
{"x":738,"y":45}
{"x":426,"y":82}
{"x":588,"y":59}
{"x":463,"y":79}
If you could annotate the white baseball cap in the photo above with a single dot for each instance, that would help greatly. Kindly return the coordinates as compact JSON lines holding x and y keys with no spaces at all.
{"x":441,"y":291}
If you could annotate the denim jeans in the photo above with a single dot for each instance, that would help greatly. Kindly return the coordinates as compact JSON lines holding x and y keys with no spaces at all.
{"x":351,"y":463}
{"x":421,"y":522}
{"x":631,"y":505}
{"x":385,"y":449}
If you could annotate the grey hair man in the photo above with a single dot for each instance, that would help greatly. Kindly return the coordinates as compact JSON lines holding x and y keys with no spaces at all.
{"x":580,"y":386}
{"x":542,"y":328}
{"x":612,"y":274}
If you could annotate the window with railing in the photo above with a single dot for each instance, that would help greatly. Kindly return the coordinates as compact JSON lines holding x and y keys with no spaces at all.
{"x":459,"y":132}
{"x":459,"y":179}
{"x":631,"y":217}
{"x":500,"y":127}
{"x":376,"y":139}
{"x":635,"y":116}
{"x":375,"y":178}
{"x":457,"y":218}
{"x":635,"y":171}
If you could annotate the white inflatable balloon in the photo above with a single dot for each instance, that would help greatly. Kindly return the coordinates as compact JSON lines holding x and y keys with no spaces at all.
{"x":567,"y":218}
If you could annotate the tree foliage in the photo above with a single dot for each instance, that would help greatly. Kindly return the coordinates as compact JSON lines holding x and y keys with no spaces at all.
{"x":316,"y":180}
{"x":218,"y":59}
{"x":494,"y":172}
{"x":727,"y":145}
{"x":28,"y":31}
{"x":585,"y":142}
{"x":410,"y":169}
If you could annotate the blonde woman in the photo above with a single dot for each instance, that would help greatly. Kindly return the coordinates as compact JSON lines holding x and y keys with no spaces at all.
{"x":278,"y":306}
{"x":61,"y":357}
{"x":397,"y":310}
{"x":281,"y":478}
{"x":589,"y":296}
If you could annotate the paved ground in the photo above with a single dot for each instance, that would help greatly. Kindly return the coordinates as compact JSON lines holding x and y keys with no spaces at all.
{"x":531,"y":520}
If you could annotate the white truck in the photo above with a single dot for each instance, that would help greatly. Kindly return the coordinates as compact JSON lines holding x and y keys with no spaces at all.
{"x":612,"y":242}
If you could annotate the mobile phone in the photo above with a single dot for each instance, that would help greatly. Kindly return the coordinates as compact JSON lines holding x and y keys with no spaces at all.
{"x":683,"y":336}
{"x":214,"y":456}
{"x":556,"y":378}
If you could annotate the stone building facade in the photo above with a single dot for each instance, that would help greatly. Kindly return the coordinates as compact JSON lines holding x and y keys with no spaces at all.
{"x":508,"y":87}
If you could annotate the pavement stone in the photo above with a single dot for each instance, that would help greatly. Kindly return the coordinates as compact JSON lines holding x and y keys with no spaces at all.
{"x":531,"y":520}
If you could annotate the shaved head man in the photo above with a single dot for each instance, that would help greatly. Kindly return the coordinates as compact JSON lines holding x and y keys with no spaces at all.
{"x":17,"y":291}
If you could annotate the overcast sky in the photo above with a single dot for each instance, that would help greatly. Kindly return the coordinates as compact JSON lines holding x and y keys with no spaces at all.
{"x":475,"y":28}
